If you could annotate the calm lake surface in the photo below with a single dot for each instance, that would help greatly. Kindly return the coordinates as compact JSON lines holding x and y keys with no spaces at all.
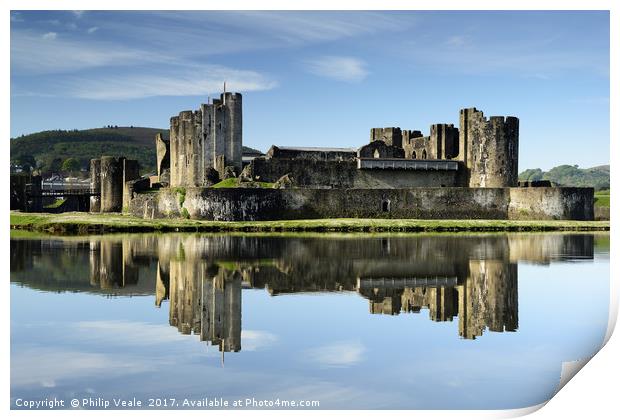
{"x":357,"y":322}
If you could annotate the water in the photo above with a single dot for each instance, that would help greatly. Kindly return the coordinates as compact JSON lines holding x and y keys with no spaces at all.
{"x":357,"y":322}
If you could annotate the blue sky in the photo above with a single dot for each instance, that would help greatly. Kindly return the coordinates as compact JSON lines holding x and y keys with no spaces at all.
{"x":321,"y":78}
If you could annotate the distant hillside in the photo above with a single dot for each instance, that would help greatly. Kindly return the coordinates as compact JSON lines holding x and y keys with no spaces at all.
{"x":49,"y":149}
{"x":571,"y":176}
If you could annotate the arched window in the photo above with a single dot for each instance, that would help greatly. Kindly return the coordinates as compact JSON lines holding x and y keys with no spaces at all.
{"x":376,"y":154}
{"x":413,"y":155}
{"x":385,"y":205}
{"x":424,"y":154}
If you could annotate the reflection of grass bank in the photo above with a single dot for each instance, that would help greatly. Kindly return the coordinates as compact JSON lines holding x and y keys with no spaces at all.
{"x":81,"y":223}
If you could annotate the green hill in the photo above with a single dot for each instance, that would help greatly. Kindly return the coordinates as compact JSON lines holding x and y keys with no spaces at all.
{"x":571,"y":176}
{"x":48,"y":150}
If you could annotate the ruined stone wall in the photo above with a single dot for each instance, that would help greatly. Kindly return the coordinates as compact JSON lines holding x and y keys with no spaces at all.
{"x":379,"y":149}
{"x":186,"y":159}
{"x":410,"y":134}
{"x":566,"y":203}
{"x":443,"y":143}
{"x":311,"y":154}
{"x":95,"y":185}
{"x":489,"y":148}
{"x":391,"y":136}
{"x":333,"y":174}
{"x":131,"y":172}
{"x":418,"y":203}
{"x":133,"y":187}
{"x":162,"y":147}
{"x":417,"y":148}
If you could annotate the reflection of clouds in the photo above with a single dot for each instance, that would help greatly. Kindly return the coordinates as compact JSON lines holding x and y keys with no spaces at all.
{"x":47,"y":366}
{"x":338,"y":354}
{"x":333,"y":395}
{"x":132,"y":333}
{"x":252,"y":340}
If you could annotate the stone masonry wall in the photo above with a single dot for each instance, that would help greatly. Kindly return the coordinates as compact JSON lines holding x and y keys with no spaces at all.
{"x":331,"y":174}
{"x":111,"y":184}
{"x":566,"y":203}
{"x":489,"y":148}
{"x":95,"y":185}
{"x":418,"y":203}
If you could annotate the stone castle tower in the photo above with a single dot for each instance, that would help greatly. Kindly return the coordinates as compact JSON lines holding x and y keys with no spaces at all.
{"x":205,"y":140}
{"x":489,"y":149}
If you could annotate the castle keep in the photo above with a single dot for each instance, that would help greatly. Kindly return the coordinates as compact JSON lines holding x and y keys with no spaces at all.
{"x":204,"y":141}
{"x":469,"y":171}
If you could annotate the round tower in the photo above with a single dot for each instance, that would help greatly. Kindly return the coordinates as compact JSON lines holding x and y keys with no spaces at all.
{"x":489,"y":149}
{"x":111,"y":184}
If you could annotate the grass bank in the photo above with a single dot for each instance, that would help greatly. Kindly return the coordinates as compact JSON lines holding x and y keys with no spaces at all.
{"x":85,"y":223}
{"x":601,"y":198}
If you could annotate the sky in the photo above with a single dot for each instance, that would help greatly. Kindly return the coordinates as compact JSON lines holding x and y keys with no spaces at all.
{"x":321,"y":78}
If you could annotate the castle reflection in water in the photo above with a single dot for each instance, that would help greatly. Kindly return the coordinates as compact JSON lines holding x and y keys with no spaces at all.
{"x":473,"y":278}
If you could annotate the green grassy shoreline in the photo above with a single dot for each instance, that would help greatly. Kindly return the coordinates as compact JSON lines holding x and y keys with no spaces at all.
{"x":85,"y":223}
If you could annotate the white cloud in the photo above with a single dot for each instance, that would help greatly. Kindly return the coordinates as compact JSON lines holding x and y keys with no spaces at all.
{"x":347,"y":69}
{"x":338,"y":354}
{"x":197,"y":81}
{"x":93,"y":29}
{"x":78,"y":13}
{"x":63,"y":55}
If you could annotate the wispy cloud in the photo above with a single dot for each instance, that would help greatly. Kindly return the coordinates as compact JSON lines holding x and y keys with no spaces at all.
{"x":192,"y":81}
{"x":288,"y":27}
{"x":346,"y":69}
{"x":318,"y":26}
{"x":92,"y":29}
{"x":57,"y":55}
{"x":338,"y":354}
{"x":78,"y":13}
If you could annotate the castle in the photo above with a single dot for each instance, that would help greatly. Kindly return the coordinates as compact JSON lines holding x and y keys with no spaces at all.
{"x":204,"y":144}
{"x":464,"y":173}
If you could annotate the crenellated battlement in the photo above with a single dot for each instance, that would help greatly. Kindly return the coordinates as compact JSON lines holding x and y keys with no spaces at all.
{"x":489,"y":149}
